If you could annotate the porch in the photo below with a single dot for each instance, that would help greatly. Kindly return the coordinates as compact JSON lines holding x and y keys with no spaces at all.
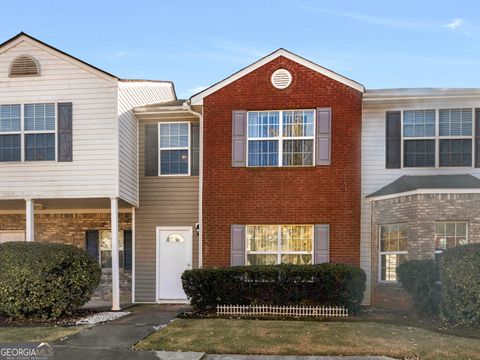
{"x":101,"y":226}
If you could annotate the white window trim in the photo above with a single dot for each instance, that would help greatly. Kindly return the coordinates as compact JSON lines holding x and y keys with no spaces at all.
{"x":24,"y":132}
{"x":188,"y":148}
{"x":380,"y":253}
{"x":280,"y":138}
{"x":437,"y":138}
{"x":279,"y":251}
{"x":446,"y":222}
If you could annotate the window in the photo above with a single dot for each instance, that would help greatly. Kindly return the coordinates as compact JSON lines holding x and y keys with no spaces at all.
{"x":174,"y":148}
{"x":455,"y":123}
{"x":281,"y":138}
{"x":38,"y":134}
{"x":106,"y":249}
{"x":419,"y":127}
{"x":276,"y":244}
{"x":10,"y":133}
{"x":449,"y":234}
{"x":393,"y":250}
{"x":451,"y":138}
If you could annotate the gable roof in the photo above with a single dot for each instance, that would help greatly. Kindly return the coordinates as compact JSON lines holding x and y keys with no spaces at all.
{"x":23,"y":34}
{"x":435,"y":183}
{"x":197,"y":99}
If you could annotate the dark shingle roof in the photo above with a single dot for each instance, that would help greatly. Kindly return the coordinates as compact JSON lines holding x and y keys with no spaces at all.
{"x":411,"y":183}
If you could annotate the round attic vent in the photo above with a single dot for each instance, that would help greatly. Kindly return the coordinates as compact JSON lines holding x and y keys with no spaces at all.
{"x":281,"y":79}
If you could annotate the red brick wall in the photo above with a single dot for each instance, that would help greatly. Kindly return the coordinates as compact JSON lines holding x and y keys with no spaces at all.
{"x":307,"y":195}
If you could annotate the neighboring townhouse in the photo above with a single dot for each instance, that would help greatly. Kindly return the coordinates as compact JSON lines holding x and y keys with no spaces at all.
{"x":420,"y":186}
{"x":68,"y":155}
{"x":284,"y":161}
{"x":279,"y":178}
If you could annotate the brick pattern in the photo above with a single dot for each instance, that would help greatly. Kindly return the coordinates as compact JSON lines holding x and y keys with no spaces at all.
{"x":70,"y":228}
{"x":302,"y":195}
{"x":420,"y":212}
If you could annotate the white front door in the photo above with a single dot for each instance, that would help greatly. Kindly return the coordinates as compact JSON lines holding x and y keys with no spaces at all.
{"x":174,"y":256}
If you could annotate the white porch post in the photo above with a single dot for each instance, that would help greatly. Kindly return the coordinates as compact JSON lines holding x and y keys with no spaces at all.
{"x":115,"y":262}
{"x":29,"y":220}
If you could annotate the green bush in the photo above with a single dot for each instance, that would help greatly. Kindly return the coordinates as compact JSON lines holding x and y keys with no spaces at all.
{"x":418,"y":277}
{"x":41,"y":281}
{"x":460,"y":277}
{"x":322,"y":284}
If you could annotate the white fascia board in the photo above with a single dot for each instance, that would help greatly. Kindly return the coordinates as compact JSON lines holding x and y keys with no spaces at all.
{"x":424,"y":191}
{"x":197,"y":99}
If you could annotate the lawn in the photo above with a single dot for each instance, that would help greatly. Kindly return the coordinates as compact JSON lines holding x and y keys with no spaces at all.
{"x":39,"y":333}
{"x":215,"y":336}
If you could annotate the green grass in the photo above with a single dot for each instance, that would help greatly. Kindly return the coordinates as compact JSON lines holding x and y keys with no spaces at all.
{"x":216,"y":336}
{"x":41,"y":333}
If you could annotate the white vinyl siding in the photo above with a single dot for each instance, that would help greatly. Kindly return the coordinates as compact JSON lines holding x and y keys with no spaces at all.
{"x":94,"y":96}
{"x":131,"y":95}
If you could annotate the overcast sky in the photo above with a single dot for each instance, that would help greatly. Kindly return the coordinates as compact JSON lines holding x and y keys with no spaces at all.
{"x":381,"y":44}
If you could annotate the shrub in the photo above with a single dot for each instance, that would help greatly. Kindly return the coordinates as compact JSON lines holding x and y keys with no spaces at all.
{"x":418,"y":277}
{"x":460,"y":276}
{"x":41,"y":281}
{"x":322,"y":284}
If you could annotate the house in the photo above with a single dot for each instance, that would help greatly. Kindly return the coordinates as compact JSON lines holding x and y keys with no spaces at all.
{"x":284,"y":161}
{"x":68,"y":154}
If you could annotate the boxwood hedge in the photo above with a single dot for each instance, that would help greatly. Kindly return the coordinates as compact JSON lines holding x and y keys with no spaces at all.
{"x":460,"y":277}
{"x":418,"y":277}
{"x":41,"y":281}
{"x":323,"y":284}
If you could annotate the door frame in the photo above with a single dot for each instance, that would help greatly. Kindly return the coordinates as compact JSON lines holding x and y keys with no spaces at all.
{"x":157,"y":259}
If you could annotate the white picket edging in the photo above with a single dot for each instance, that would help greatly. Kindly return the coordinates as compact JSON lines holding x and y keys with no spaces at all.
{"x":271,"y":310}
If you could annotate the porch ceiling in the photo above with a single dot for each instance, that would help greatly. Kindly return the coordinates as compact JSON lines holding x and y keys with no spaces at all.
{"x":64,"y":204}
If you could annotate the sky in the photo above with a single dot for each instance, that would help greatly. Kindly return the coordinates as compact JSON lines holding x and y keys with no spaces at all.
{"x":381,"y":44}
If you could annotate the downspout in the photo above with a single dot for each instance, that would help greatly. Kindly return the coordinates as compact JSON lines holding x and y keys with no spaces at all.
{"x":200,"y":190}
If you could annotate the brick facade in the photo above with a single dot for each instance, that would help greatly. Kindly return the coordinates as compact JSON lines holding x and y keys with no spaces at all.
{"x":419,"y":212}
{"x":301,"y":195}
{"x":70,"y":228}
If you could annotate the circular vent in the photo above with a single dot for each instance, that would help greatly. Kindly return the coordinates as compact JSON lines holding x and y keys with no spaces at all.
{"x":281,"y":79}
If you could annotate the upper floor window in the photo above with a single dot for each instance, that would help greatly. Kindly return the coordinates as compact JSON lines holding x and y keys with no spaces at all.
{"x":449,"y":234}
{"x":279,"y":244}
{"x":24,"y":65}
{"x":281,"y":138}
{"x":174,"y":147}
{"x":35,"y":128}
{"x":393,"y":250}
{"x":443,"y":143}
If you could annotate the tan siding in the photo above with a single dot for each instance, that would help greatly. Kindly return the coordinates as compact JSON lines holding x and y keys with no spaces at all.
{"x":164,"y":201}
{"x":130,"y":95}
{"x":94,"y":96}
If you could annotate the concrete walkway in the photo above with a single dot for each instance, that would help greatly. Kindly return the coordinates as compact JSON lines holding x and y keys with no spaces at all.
{"x":112,"y":341}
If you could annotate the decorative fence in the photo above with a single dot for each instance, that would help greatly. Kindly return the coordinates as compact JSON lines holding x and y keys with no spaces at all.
{"x":270,"y":310}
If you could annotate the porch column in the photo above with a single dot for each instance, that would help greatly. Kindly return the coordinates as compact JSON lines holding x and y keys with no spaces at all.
{"x":115,"y":263}
{"x":29,"y":220}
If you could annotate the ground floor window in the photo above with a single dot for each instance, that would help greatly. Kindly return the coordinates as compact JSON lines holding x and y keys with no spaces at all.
{"x":277,"y":244}
{"x":7,"y":236}
{"x":106,"y":248}
{"x":449,"y":234}
{"x":393,"y":250}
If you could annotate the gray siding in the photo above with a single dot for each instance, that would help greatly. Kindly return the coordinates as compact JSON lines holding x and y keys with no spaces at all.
{"x":164,"y":201}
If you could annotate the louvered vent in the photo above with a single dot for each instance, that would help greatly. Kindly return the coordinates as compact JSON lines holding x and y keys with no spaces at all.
{"x":24,"y":66}
{"x":281,"y":79}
